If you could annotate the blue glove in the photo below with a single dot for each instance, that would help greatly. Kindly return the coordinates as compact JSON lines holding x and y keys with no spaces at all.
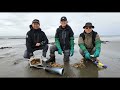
{"x":87,"y":55}
{"x":60,"y":51}
{"x":97,"y":52}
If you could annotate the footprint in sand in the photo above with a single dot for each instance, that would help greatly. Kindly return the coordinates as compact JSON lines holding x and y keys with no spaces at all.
{"x":17,"y":61}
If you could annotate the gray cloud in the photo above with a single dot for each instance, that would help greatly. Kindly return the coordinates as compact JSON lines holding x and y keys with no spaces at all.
{"x":18,"y":23}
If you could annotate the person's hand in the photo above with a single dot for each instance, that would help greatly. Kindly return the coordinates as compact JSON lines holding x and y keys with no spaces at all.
{"x":87,"y":55}
{"x":60,"y":51}
{"x":97,"y":53}
{"x":37,"y":44}
{"x":71,"y":52}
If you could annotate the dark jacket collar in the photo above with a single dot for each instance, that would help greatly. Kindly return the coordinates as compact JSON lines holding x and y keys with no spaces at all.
{"x":31,"y":28}
{"x":67,"y":27}
{"x":87,"y":33}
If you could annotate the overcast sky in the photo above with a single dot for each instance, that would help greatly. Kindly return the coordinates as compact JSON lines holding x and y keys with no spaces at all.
{"x":17,"y":24}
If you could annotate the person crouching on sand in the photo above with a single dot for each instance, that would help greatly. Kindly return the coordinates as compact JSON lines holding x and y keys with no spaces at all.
{"x":64,"y":41}
{"x":89,"y":42}
{"x":36,"y":39}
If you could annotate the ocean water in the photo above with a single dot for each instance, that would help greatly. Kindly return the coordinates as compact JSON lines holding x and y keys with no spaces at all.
{"x":110,"y":38}
{"x":6,"y":41}
{"x":11,"y":42}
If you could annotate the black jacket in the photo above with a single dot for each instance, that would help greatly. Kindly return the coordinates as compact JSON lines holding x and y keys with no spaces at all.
{"x":35,"y":36}
{"x":64,"y":34}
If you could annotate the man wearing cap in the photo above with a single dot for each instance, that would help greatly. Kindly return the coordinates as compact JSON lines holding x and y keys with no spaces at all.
{"x":64,"y":41}
{"x":89,"y":42}
{"x":35,"y":40}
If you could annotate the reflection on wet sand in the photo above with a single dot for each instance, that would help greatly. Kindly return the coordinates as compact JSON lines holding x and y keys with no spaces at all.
{"x":90,"y":70}
{"x":68,"y":71}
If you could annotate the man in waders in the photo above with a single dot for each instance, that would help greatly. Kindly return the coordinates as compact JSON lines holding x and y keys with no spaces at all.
{"x":64,"y":41}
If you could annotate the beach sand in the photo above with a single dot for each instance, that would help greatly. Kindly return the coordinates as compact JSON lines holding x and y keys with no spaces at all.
{"x":12,"y":63}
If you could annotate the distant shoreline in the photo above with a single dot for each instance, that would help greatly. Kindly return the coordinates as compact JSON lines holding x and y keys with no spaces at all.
{"x":23,"y":37}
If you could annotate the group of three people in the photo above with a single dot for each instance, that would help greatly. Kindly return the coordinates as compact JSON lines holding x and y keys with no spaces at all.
{"x":88,"y":41}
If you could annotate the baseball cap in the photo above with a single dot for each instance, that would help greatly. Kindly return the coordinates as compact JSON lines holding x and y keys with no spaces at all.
{"x":63,"y":18}
{"x":36,"y":21}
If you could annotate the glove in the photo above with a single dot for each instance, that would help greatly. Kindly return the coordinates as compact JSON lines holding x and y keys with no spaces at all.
{"x":98,"y":48}
{"x":72,"y":46}
{"x":82,"y":46}
{"x":97,"y":52}
{"x":60,"y":51}
{"x":87,"y":55}
{"x":71,"y":52}
{"x":58,"y":46}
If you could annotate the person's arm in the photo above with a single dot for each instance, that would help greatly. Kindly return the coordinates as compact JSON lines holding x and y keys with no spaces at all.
{"x":71,"y":42}
{"x":97,"y":46}
{"x":72,"y":39}
{"x":83,"y":48}
{"x":28,"y":42}
{"x":57,"y":41}
{"x":45,"y":40}
{"x":97,"y":42}
{"x":81,"y":44}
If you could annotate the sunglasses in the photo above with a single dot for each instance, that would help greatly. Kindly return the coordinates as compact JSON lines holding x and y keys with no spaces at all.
{"x":88,"y":27}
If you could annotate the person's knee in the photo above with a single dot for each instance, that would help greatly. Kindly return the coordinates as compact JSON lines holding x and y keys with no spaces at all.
{"x":27,"y":54}
{"x":52,"y":49}
{"x":93,"y":51}
{"x":66,"y":55}
{"x":67,"y":52}
{"x":81,"y":52}
{"x":46,"y":47}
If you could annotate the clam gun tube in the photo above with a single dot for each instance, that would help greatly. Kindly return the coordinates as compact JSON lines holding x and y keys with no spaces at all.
{"x":54,"y":70}
{"x":99,"y":64}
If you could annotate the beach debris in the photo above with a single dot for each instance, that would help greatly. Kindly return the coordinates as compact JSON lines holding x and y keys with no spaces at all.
{"x":15,"y":63}
{"x":55,"y":65}
{"x":2,"y":57}
{"x":104,"y":42}
{"x":79,"y":64}
{"x":35,"y":61}
{"x":4,"y":47}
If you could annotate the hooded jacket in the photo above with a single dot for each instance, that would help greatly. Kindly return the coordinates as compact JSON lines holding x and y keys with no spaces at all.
{"x":35,"y":36}
{"x":64,"y":37}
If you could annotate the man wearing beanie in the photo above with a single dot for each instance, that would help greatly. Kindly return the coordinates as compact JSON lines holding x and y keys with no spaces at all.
{"x":36,"y":39}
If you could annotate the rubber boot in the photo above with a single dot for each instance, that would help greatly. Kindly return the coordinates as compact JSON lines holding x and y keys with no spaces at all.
{"x":52,"y":59}
{"x":66,"y":56}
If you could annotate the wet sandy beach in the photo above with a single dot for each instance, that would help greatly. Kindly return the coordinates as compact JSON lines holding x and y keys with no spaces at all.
{"x":12,"y":63}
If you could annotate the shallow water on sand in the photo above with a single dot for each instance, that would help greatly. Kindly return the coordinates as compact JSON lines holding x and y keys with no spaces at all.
{"x":12,"y":63}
